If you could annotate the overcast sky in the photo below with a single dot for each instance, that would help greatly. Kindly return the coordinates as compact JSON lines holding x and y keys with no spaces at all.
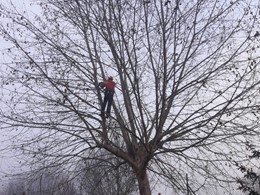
{"x":9,"y":161}
{"x":9,"y":164}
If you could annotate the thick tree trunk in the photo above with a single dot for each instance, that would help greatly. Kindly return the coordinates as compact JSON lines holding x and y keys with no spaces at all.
{"x":143,"y":182}
{"x":140,"y":157}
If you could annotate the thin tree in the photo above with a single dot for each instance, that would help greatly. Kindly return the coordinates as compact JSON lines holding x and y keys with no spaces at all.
{"x":187,"y":85}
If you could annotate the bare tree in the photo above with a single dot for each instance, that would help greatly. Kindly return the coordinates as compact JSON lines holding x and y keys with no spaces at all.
{"x":187,"y":85}
{"x":106,"y":175}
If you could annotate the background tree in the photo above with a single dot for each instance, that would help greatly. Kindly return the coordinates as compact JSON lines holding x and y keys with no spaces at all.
{"x":187,"y":85}
{"x":44,"y":183}
{"x":106,"y":175}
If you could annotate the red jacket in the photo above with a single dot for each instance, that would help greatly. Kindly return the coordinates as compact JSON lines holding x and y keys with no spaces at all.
{"x":110,"y":85}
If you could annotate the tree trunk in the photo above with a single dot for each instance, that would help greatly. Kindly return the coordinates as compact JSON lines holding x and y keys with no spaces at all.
{"x":143,"y":182}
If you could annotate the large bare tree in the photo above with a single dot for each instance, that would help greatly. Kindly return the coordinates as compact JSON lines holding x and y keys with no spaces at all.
{"x":187,"y":85}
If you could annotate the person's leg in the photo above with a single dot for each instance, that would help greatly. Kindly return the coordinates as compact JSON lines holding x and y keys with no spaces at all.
{"x":110,"y":100}
{"x":106,"y":98}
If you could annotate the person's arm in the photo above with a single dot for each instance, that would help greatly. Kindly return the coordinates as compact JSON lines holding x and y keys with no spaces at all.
{"x":101,"y":85}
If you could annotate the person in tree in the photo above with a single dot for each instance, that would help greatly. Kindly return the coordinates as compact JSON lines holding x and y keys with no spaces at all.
{"x":109,"y":91}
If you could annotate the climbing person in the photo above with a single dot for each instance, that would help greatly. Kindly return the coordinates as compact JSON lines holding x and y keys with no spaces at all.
{"x":109,"y":91}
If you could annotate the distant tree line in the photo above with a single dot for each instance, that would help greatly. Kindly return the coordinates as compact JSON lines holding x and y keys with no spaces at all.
{"x":45,"y":184}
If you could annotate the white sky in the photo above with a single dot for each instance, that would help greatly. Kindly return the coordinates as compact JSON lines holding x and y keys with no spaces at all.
{"x":9,"y":162}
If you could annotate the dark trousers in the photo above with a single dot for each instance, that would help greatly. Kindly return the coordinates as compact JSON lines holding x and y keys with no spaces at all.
{"x":108,"y":99}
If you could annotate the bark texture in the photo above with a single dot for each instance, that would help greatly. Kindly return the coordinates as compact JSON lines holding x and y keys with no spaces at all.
{"x":141,"y":154}
{"x":143,"y":182}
